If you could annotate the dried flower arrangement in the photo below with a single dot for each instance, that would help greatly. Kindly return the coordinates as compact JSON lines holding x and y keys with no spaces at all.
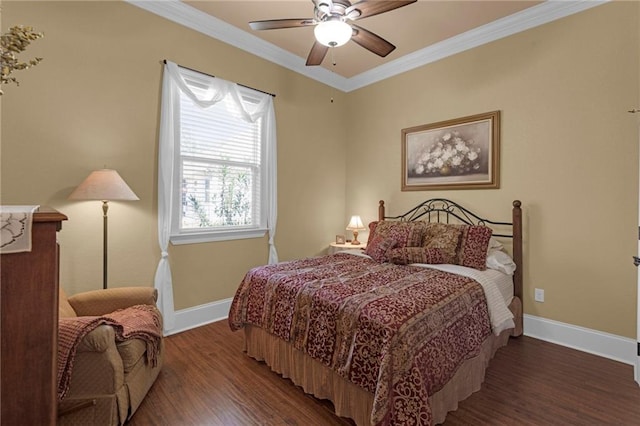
{"x":12,"y":43}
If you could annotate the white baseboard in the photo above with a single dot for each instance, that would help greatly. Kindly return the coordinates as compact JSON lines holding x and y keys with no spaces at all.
{"x":197,"y":316}
{"x":595,"y":342}
{"x":607,"y":345}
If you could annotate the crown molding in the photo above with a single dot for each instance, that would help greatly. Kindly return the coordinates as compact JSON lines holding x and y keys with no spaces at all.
{"x":183,"y":14}
{"x":190,"y":17}
{"x":529,"y":18}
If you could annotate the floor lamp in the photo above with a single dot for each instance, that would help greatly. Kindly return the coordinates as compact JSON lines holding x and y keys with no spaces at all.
{"x":104,"y":185}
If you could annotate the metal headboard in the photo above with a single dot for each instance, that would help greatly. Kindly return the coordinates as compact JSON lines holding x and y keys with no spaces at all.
{"x":441,"y":210}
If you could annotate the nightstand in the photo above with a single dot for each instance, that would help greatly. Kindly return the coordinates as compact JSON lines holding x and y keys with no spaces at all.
{"x":335,"y":247}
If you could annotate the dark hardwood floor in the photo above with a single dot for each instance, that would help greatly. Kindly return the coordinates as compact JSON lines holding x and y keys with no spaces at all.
{"x":208,"y":380}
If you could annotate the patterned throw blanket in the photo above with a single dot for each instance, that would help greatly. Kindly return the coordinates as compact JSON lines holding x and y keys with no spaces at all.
{"x":139,"y":321}
{"x":400,"y":332}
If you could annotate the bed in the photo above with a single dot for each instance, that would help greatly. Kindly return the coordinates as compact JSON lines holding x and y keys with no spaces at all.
{"x":398,"y":333}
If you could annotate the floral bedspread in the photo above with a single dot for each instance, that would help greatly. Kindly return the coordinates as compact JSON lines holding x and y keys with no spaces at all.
{"x":400,"y":332}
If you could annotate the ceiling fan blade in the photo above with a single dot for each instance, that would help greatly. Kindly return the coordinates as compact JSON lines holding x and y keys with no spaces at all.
{"x":317,"y":54}
{"x":371,"y":41}
{"x":274,"y":24}
{"x":375,"y":7}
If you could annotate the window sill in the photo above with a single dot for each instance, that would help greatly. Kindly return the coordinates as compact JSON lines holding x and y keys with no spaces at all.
{"x":207,"y":237}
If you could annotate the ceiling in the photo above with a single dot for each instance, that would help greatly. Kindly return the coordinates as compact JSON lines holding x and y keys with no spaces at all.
{"x":409,"y":28}
{"x":422,"y":32}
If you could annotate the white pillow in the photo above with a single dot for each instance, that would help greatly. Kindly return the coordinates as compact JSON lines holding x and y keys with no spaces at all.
{"x":500,"y":261}
{"x":494,"y":244}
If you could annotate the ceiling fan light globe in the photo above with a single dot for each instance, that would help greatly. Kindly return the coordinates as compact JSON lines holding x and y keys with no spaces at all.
{"x":333,"y":33}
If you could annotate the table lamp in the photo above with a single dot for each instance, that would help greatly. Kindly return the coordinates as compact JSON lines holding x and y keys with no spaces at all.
{"x":104,"y":185}
{"x":355,"y":225}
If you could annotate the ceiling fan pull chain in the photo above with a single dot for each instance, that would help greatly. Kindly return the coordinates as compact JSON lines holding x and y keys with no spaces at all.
{"x":333,"y":60}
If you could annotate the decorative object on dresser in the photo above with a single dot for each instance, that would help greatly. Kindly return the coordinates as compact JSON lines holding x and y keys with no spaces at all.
{"x":104,"y":185}
{"x":15,"y":228}
{"x":462,"y":153}
{"x":355,"y":225}
{"x":29,"y":325}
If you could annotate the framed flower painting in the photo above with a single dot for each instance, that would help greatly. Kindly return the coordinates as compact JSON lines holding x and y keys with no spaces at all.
{"x":462,"y":153}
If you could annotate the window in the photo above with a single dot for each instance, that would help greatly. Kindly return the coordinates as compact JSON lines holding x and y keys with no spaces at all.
{"x":219,"y":184}
{"x":217,"y":176}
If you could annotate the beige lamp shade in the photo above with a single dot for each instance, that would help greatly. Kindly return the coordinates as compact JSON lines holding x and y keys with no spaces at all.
{"x":106,"y":185}
{"x":355,"y":224}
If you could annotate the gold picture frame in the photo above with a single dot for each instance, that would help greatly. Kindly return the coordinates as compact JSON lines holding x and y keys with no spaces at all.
{"x":463,"y":153}
{"x":340,"y":239}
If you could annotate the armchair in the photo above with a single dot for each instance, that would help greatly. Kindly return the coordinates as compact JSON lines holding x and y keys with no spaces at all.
{"x":109,"y":379}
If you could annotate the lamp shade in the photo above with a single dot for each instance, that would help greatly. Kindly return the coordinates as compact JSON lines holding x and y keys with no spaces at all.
{"x":355,"y":224}
{"x":106,"y":185}
{"x":333,"y":32}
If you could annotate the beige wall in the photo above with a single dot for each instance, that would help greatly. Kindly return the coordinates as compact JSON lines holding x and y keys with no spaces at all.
{"x":569,"y":152}
{"x":569,"y":149}
{"x":95,"y":100}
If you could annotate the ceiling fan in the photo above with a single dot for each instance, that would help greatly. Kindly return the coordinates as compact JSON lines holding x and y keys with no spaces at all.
{"x":333,"y":28}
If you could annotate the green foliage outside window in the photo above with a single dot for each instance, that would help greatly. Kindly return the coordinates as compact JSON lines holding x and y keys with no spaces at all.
{"x":228,"y":206}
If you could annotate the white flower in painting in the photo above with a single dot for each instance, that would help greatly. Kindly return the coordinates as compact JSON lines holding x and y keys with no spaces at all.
{"x":461,"y":146}
{"x":448,"y":154}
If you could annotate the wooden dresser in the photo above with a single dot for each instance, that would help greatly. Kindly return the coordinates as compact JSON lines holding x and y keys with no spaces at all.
{"x":29,"y":314}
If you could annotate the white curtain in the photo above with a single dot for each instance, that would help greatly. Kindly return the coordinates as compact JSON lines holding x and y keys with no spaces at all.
{"x":172,"y":84}
{"x":272,"y":177}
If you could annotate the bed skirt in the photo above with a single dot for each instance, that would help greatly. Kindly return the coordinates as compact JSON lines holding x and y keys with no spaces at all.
{"x":354,"y":402}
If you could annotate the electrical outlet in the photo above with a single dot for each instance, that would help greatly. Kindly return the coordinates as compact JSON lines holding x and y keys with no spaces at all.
{"x":539,"y":295}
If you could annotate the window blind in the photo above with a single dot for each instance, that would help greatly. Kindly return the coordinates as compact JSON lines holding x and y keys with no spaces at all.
{"x":221,"y":165}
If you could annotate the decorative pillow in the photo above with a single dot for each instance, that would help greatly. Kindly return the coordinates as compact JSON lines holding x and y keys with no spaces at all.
{"x":372,"y":231}
{"x":472,"y":249}
{"x":406,"y":234}
{"x":379,"y":246}
{"x":443,"y":236}
{"x":407,"y":255}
